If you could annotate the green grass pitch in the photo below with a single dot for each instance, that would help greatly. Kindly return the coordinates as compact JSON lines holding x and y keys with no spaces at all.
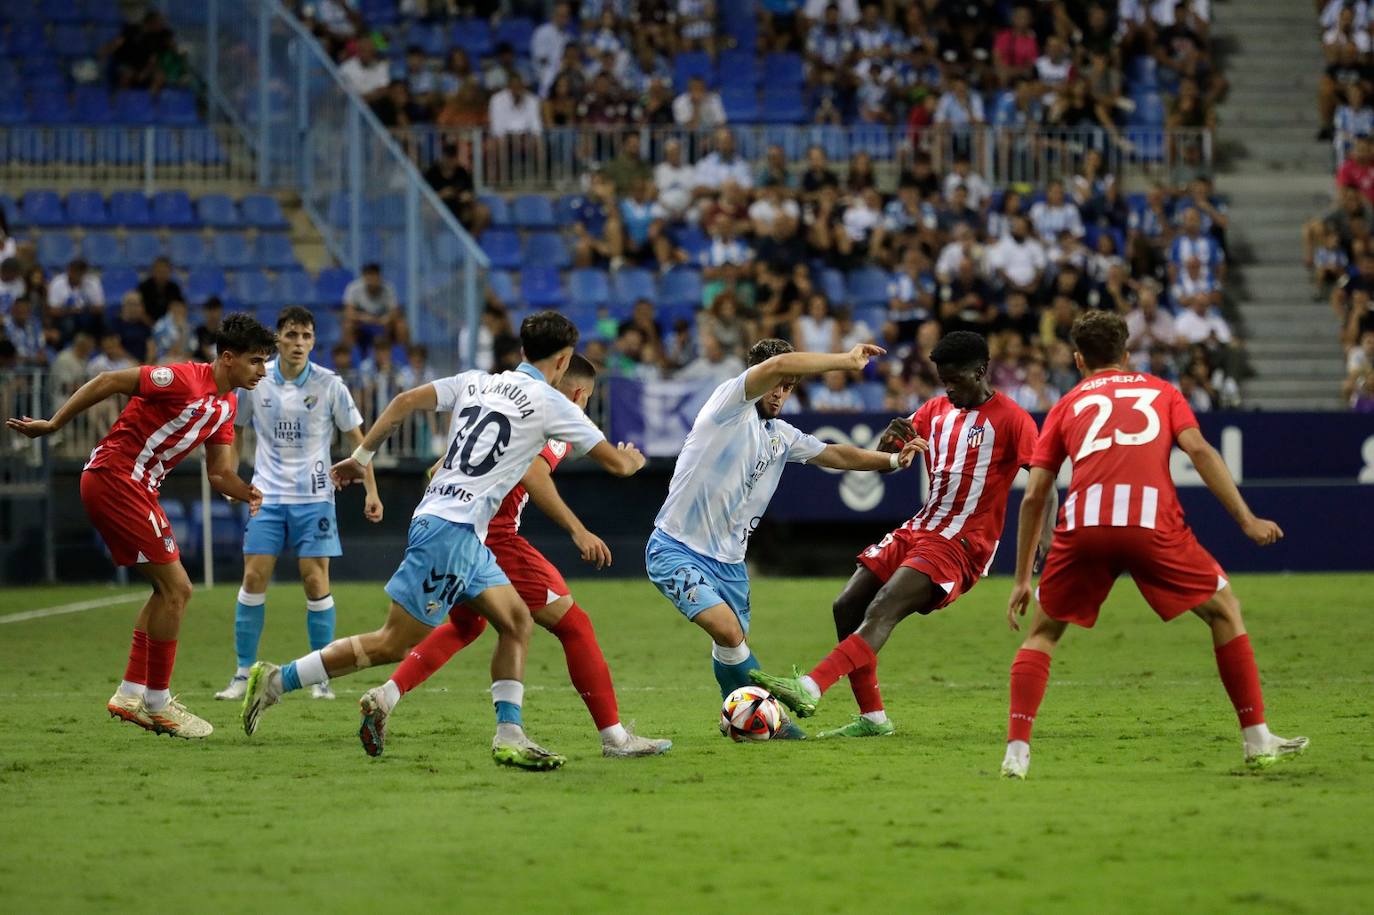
{"x":1136,"y":801}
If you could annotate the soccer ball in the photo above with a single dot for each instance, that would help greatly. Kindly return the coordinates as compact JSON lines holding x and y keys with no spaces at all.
{"x":750,"y":713}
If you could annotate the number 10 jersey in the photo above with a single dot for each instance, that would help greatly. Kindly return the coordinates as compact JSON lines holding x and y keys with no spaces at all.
{"x":500,"y":424}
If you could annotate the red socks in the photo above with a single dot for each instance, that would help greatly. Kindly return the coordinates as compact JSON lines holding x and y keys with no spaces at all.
{"x":587,"y":666}
{"x":1236,"y":664}
{"x":851,"y":654}
{"x":1030,"y":672}
{"x":137,"y":669}
{"x":162,"y":657}
{"x":433,"y":652}
{"x":864,"y":682}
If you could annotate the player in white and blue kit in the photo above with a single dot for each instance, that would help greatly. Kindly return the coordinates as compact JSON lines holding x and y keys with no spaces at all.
{"x":726,"y":474}
{"x":500,"y":424}
{"x":294,"y":413}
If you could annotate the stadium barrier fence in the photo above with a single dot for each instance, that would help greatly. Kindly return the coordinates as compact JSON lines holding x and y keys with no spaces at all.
{"x":152,"y":158}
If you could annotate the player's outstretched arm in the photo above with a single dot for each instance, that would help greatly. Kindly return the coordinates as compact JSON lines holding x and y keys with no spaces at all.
{"x":222,"y":469}
{"x":770,"y":373}
{"x":848,"y":457}
{"x":622,"y":460}
{"x":106,"y":384}
{"x":1034,"y":506}
{"x":372,"y":502}
{"x":1215,"y":474}
{"x":353,"y":469}
{"x":538,"y":482}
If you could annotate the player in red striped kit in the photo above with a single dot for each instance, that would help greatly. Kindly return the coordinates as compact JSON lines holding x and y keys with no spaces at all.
{"x":171,"y":410}
{"x":542,"y":588}
{"x":1117,"y":427}
{"x":975,"y":440}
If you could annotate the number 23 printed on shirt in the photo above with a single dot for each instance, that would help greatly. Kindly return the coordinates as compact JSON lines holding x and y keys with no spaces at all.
{"x":466,"y":440}
{"x":1144,"y":397}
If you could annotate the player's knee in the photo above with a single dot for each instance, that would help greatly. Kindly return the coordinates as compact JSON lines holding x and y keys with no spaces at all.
{"x":515,"y":623}
{"x":316,"y":584}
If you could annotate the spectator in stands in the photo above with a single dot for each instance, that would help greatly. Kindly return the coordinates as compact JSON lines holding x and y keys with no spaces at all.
{"x":1055,"y":214}
{"x":959,"y":108}
{"x":978,"y":193}
{"x":714,"y":366}
{"x":560,"y":107}
{"x":172,"y":332}
{"x":1346,"y":48}
{"x":1364,"y":395}
{"x":396,"y":108}
{"x":1211,"y":212}
{"x":76,"y":300}
{"x":874,"y":83}
{"x":1076,"y":108}
{"x":515,"y":111}
{"x":134,"y":329}
{"x":1035,"y":394}
{"x":134,"y":53}
{"x":204,"y":349}
{"x":112,"y":357}
{"x":333,"y":22}
{"x":1063,"y":374}
{"x":774,"y":170}
{"x":675,"y":181}
{"x":1360,"y":318}
{"x":1201,"y":325}
{"x":365,"y":73}
{"x":722,"y":164}
{"x":1196,"y":389}
{"x":656,"y":106}
{"x":1357,"y":170}
{"x":421,"y":78}
{"x":417,"y":370}
{"x":452,"y":181}
{"x":1354,"y":118}
{"x":457,"y":72}
{"x":834,"y":395}
{"x":548,"y":42}
{"x":1359,"y":361}
{"x":626,"y":354}
{"x":1016,"y":48}
{"x":826,"y":235}
{"x":1017,"y":261}
{"x":1330,"y":264}
{"x":644,"y":224}
{"x":863,"y":227}
{"x":1148,"y":326}
{"x":1054,"y":69}
{"x":9,"y":246}
{"x":71,"y":368}
{"x":604,"y":104}
{"x":12,"y":285}
{"x":23,"y":328}
{"x":158,"y":289}
{"x":1103,"y":83}
{"x":370,"y":310}
{"x":698,"y":108}
{"x":498,"y":73}
{"x":1192,"y":244}
{"x":1189,"y":110}
{"x":1057,"y":320}
{"x":596,"y":226}
{"x":817,"y":175}
{"x":1017,"y":318}
{"x":827,"y":43}
{"x":466,"y":106}
{"x":850,"y":331}
{"x":816,"y":330}
{"x":628,"y":166}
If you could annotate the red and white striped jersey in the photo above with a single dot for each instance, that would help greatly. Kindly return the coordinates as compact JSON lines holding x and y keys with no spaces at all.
{"x":1118,"y":429}
{"x":972,"y":459}
{"x":177,"y":407}
{"x":506,"y":521}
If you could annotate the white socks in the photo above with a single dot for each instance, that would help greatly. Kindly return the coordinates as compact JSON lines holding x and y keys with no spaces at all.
{"x":731,"y":656}
{"x":242,"y":672}
{"x":156,"y":699}
{"x":813,"y":690}
{"x":878,"y":717}
{"x":310,"y":669}
{"x":391,"y":694}
{"x":614,"y":735}
{"x":512,"y":691}
{"x":1018,"y":750}
{"x":133,"y":690}
{"x":1257,"y":737}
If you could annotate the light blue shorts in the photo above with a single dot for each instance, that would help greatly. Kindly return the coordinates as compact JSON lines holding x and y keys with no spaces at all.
{"x":445,"y":564}
{"x":694,"y":582}
{"x":309,"y":530}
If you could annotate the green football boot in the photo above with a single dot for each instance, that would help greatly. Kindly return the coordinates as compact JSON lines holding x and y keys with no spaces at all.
{"x":861,"y":727}
{"x":788,"y":690}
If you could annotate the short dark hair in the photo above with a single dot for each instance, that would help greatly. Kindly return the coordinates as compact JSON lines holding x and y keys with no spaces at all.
{"x":295,"y":314}
{"x":212,"y":302}
{"x":580,"y":368}
{"x":1100,"y":337}
{"x":241,"y":333}
{"x":766,"y":349}
{"x":959,"y":348}
{"x":372,"y":267}
{"x":544,"y":333}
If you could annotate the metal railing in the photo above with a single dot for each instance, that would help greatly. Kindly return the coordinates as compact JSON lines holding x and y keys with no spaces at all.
{"x":147,"y":158}
{"x":267,"y":77}
{"x":559,"y":159}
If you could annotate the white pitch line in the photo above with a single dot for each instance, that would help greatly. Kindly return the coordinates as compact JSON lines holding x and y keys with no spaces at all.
{"x":78,"y":607}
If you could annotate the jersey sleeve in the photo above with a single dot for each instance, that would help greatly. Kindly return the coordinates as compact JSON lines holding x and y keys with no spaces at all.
{"x":165,"y":382}
{"x":1181,"y":415}
{"x":1026,"y":439}
{"x":554,"y":452}
{"x":1050,"y":449}
{"x":565,"y":421}
{"x":224,"y":435}
{"x":448,"y":390}
{"x":243,"y":414}
{"x":729,"y":400}
{"x":801,"y":446}
{"x":346,"y":414}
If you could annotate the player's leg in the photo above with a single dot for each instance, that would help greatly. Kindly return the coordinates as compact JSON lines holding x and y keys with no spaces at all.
{"x":161,"y":620}
{"x":1240,"y":676}
{"x":250,"y":608}
{"x":1030,"y":675}
{"x":848,"y":611}
{"x":319,"y":611}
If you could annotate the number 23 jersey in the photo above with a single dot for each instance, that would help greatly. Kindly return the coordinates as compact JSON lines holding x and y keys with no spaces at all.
{"x":1118,"y":429}
{"x":500,"y":424}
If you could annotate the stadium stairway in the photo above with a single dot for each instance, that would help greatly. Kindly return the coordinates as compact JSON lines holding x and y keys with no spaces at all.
{"x":1276,"y":176}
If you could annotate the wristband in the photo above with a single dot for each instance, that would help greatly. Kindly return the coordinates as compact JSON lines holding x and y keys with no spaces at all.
{"x":896,"y":461}
{"x":362,"y":455}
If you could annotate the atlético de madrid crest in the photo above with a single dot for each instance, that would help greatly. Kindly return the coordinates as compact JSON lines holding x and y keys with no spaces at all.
{"x":975,"y":436}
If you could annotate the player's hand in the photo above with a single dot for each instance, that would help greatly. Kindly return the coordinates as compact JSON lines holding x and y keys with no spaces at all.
{"x":372,"y":509}
{"x":859,"y":355}
{"x":898,"y":433}
{"x":592,"y":548}
{"x":1263,"y":531}
{"x":635,"y":454}
{"x":346,"y":472}
{"x":33,"y":428}
{"x":910,"y":451}
{"x":254,"y":500}
{"x":1017,"y":604}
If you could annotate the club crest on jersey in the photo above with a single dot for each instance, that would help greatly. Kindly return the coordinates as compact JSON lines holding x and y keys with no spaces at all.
{"x":168,"y":544}
{"x":310,"y":401}
{"x":161,"y":376}
{"x":975,"y":436}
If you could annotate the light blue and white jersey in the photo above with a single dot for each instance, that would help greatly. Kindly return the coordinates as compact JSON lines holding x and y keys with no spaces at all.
{"x":294,"y":422}
{"x":727,"y":472}
{"x":500,"y":424}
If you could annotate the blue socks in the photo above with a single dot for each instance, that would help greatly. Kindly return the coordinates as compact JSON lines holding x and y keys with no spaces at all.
{"x":249,"y":613}
{"x":290,"y":679}
{"x":731,"y":666}
{"x":508,"y":696}
{"x":319,"y":621}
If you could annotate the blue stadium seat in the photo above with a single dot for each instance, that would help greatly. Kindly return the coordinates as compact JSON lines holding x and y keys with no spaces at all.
{"x":533,"y":211}
{"x":102,"y":250}
{"x":13,"y":109}
{"x":117,"y":281}
{"x":142,"y":248}
{"x":294,"y":287}
{"x":867,"y":286}
{"x":517,"y":31}
{"x":688,"y":64}
{"x":204,"y":282}
{"x":503,"y":287}
{"x":226,"y":524}
{"x":266,"y":314}
{"x":49,"y":106}
{"x":232,"y":251}
{"x":188,"y":250}
{"x":541,"y":287}
{"x":669,"y":313}
{"x":872,"y":394}
{"x":261,"y":211}
{"x":831,"y":283}
{"x":29,"y":38}
{"x":218,"y":212}
{"x":432,"y":39}
{"x":589,"y":286}
{"x":201,"y":146}
{"x":173,"y":209}
{"x":273,"y":250}
{"x":133,"y":106}
{"x":72,"y":40}
{"x":330,"y":285}
{"x":252,"y":287}
{"x":500,"y":210}
{"x":87,"y":208}
{"x":328,"y":327}
{"x":547,"y":248}
{"x":782,"y":69}
{"x":741,"y":104}
{"x":872,"y":315}
{"x":631,"y":284}
{"x":43,"y":208}
{"x":55,"y":251}
{"x":379,"y":12}
{"x":680,"y":286}
{"x":693,"y":240}
{"x":177,"y":108}
{"x":473,"y":36}
{"x":502,"y":246}
{"x":91,"y":105}
{"x":563,"y":209}
{"x":782,"y":106}
{"x":738,"y":68}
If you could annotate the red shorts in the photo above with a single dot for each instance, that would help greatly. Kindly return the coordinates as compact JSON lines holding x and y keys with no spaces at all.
{"x":535,"y":579}
{"x":945,"y":562}
{"x":1172,"y":570}
{"x":128,"y":518}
